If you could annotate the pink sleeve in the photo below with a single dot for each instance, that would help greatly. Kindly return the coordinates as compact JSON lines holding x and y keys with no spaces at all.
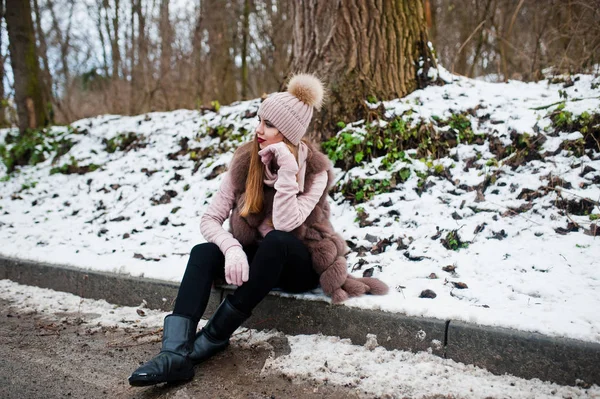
{"x":291,"y":209}
{"x":211,"y":224}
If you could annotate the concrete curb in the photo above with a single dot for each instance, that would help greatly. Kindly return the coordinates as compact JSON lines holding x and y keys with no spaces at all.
{"x":499,"y":350}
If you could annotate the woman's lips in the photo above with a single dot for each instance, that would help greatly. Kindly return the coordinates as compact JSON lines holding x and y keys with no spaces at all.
{"x":260,"y":140}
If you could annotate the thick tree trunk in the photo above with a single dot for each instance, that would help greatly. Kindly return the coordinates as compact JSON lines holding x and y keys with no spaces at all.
{"x":29,"y":97}
{"x":362,"y":49}
{"x":221,"y":71}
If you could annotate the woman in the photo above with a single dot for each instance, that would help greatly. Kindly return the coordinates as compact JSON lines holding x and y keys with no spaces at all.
{"x":280,"y":236}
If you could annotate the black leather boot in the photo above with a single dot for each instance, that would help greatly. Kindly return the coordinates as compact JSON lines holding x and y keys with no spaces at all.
{"x":173,"y":362}
{"x":214,"y":337}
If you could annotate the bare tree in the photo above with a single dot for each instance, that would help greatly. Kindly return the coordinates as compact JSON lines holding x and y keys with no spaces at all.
{"x":166,"y":52}
{"x":272,"y":53}
{"x":363,"y":50}
{"x":43,"y":53}
{"x":63,"y":42}
{"x":166,"y":38}
{"x":31,"y":109}
{"x":245,"y":34}
{"x":100,"y":25}
{"x":3,"y":102}
{"x":197,"y":54}
{"x":114,"y":38}
{"x":131,"y":41}
{"x":222,"y":49}
{"x":63,"y":38}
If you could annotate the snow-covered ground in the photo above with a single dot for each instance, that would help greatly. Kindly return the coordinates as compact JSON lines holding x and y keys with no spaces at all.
{"x":139,"y":213}
{"x":318,"y":359}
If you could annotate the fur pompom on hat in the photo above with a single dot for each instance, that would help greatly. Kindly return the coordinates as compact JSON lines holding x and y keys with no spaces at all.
{"x":291,"y":111}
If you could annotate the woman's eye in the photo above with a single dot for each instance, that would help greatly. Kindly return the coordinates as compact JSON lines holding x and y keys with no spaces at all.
{"x":269,"y":124}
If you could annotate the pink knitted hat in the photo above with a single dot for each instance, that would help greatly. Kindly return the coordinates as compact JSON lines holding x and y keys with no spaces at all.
{"x":291,"y":111}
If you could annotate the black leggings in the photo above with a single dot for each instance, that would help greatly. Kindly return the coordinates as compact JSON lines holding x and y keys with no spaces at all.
{"x":279,"y":261}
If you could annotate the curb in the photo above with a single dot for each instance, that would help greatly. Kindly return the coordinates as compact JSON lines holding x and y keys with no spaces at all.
{"x":528,"y":355}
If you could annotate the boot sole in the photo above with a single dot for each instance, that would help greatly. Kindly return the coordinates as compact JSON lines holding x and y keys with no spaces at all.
{"x":154,"y":380}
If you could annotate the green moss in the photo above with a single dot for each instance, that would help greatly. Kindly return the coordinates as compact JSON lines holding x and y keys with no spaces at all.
{"x":588,"y":124}
{"x":362,"y":190}
{"x":73,"y":167}
{"x":453,"y":241}
{"x":462,"y":126}
{"x":28,"y":185}
{"x":34,"y":146}
{"x":439,"y":169}
{"x":123,"y":142}
{"x":358,"y":145}
{"x":492,"y":162}
{"x":372,"y":99}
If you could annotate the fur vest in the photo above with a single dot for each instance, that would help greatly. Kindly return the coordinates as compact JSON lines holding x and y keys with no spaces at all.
{"x":327,"y":248}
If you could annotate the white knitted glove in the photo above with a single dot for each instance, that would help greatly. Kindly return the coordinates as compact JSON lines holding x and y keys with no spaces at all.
{"x":282,"y":155}
{"x":236,"y":266}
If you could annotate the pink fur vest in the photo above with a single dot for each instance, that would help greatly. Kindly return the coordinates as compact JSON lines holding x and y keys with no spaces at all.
{"x":327,"y":248}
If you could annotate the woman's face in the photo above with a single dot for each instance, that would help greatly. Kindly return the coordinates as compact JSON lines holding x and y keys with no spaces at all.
{"x":267,"y":134}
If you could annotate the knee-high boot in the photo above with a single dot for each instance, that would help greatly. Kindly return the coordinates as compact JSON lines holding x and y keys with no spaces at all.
{"x":173,"y":362}
{"x":214,"y":337}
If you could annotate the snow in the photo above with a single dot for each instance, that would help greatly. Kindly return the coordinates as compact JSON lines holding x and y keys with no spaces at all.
{"x":519,"y":271}
{"x":369,"y":369}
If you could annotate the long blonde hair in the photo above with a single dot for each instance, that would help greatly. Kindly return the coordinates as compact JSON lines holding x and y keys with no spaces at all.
{"x":254,"y":199}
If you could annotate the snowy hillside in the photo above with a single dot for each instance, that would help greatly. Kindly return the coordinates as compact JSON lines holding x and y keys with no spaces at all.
{"x":486,"y":213}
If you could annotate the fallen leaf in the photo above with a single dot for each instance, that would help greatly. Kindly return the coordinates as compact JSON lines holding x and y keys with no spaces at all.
{"x":427,"y":294}
{"x":459,"y":285}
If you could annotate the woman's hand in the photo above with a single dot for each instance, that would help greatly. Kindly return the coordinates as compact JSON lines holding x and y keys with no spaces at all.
{"x":236,"y":266}
{"x":282,"y":155}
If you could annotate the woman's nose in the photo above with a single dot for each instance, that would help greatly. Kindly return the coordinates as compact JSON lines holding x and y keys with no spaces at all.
{"x":259,"y":127}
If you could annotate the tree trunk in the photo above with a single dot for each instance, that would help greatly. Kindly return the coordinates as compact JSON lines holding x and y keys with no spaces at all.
{"x":43,"y":52}
{"x":197,"y":59}
{"x":245,"y":33}
{"x":362,"y":49}
{"x":112,"y":33}
{"x":116,"y":54}
{"x":132,"y":66}
{"x":166,"y":46}
{"x":63,"y":40}
{"x":3,"y":121}
{"x":29,"y":97}
{"x":166,"y":52}
{"x":102,"y":41}
{"x":141,"y":68}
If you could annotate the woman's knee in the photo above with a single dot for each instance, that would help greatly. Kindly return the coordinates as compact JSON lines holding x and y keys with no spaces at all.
{"x":205,"y":250}
{"x":279,"y":237}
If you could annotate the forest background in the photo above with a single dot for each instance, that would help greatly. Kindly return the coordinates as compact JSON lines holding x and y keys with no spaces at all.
{"x":135,"y":56}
